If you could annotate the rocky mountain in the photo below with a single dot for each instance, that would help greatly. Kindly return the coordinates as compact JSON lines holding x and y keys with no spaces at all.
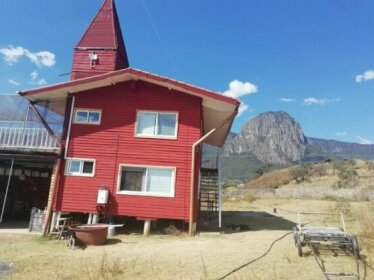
{"x":273,"y":137}
{"x":333,"y":148}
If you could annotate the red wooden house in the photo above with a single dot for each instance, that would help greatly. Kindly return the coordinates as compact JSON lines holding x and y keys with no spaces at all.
{"x":133,"y":133}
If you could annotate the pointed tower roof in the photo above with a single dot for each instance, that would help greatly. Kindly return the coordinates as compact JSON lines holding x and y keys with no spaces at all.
{"x":104,"y":33}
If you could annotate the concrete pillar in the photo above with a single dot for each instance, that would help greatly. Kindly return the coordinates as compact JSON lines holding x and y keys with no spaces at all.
{"x":95,"y":218}
{"x":89,"y":220}
{"x":147,"y":227}
{"x":53,"y":221}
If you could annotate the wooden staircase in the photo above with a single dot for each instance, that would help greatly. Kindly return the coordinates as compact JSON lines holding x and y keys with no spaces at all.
{"x":209,"y":200}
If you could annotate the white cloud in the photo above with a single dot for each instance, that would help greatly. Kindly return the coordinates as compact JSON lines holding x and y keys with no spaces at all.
{"x":34,"y":75}
{"x":34,"y":79}
{"x":13,"y":82}
{"x":343,"y":133}
{"x":364,"y":141}
{"x":238,"y":89}
{"x":321,"y":101}
{"x":242,"y":108}
{"x":368,"y":75}
{"x":287,"y":100}
{"x":41,"y":82}
{"x":12,"y":54}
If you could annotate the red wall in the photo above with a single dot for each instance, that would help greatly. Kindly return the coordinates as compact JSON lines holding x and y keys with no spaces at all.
{"x":107,"y":61}
{"x":113,"y":143}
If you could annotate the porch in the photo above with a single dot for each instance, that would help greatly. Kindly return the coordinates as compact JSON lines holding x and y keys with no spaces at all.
{"x":29,"y":137}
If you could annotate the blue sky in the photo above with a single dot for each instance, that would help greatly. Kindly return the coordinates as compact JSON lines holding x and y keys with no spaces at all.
{"x":313,"y":59}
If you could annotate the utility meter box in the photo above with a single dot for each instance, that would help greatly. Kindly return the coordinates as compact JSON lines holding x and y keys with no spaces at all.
{"x":102,"y":196}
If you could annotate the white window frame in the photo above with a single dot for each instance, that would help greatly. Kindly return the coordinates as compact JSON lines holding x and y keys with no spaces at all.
{"x":175,"y":136}
{"x":80,"y":173}
{"x":88,"y":111}
{"x":171,"y":194}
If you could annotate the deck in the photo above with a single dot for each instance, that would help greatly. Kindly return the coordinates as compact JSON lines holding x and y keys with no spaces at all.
{"x":26,"y":139}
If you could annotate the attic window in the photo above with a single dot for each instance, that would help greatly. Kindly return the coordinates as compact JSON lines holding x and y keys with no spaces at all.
{"x":157,"y":124}
{"x":84,"y":116}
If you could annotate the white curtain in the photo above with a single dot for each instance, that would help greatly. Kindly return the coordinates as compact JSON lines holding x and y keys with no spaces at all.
{"x":160,"y":180}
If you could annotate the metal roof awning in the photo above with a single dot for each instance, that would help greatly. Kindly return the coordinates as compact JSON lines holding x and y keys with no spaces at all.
{"x":216,"y":107}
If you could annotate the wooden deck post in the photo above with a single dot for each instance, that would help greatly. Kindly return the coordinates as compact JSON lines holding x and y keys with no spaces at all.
{"x":51,"y":196}
{"x":147,"y":227}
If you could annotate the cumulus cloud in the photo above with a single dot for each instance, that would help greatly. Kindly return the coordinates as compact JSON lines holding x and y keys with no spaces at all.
{"x":364,"y":141}
{"x":13,"y":82}
{"x":35,"y":81}
{"x":287,"y":100}
{"x":368,"y":75}
{"x":242,"y":108}
{"x":343,"y":133}
{"x":34,"y":75}
{"x":41,"y":82}
{"x":238,"y":89}
{"x":322,"y":101}
{"x":12,"y":54}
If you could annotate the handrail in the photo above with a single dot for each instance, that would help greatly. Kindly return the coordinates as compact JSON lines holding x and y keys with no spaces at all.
{"x":26,"y":138}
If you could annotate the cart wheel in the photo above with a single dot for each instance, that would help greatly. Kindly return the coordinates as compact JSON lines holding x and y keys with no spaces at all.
{"x":355,"y":247}
{"x":298,"y":244}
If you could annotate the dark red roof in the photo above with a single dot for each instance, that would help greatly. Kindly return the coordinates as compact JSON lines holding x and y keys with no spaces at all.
{"x":104,"y":32}
{"x":135,"y":73}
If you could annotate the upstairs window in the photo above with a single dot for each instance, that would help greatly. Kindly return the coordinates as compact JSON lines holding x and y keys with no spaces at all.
{"x":85,"y":116}
{"x":143,"y":180}
{"x":80,"y":167}
{"x":157,"y":124}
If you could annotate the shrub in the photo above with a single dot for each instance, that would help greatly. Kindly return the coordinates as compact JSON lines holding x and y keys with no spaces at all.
{"x":347,"y":173}
{"x":300,"y":173}
{"x":319,"y":170}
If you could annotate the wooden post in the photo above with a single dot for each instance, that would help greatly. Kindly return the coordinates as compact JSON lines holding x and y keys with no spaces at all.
{"x":147,"y":227}
{"x":7,"y":189}
{"x":51,"y":196}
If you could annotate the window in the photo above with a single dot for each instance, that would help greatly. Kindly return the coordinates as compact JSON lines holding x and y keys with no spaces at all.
{"x":80,"y":167}
{"x":84,"y":116}
{"x":140,"y":180}
{"x":157,"y":124}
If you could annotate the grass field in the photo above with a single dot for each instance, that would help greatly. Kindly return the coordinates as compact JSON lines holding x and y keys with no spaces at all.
{"x":206,"y":256}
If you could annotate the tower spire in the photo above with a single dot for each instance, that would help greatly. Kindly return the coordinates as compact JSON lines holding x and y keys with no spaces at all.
{"x":101,"y":48}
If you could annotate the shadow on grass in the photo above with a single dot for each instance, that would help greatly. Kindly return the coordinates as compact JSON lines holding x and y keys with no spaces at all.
{"x":235,"y":221}
{"x":113,"y":241}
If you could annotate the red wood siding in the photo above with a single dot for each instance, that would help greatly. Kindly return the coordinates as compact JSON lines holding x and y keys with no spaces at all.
{"x":107,"y":61}
{"x":113,"y":143}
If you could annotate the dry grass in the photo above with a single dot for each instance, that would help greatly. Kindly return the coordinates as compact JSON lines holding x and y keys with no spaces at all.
{"x":273,"y":179}
{"x":318,"y":174}
{"x":181,"y":257}
{"x":366,"y":233}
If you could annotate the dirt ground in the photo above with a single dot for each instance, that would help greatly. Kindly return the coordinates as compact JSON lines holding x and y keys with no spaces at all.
{"x":206,"y":256}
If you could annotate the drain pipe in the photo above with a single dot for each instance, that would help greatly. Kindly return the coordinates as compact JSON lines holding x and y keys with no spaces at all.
{"x":191,"y":225}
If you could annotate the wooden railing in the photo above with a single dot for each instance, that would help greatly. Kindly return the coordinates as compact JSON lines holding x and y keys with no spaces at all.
{"x":13,"y":138}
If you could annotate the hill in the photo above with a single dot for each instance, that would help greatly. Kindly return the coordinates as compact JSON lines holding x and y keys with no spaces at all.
{"x":275,"y":139}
